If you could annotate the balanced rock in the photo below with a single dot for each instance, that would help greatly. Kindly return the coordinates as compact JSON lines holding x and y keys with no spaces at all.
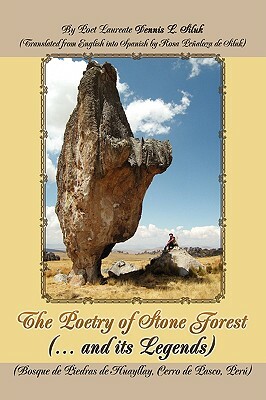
{"x":103,"y":173}
{"x":175,"y":262}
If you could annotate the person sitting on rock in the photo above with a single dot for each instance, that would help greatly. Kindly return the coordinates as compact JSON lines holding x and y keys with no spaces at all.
{"x":171,"y":243}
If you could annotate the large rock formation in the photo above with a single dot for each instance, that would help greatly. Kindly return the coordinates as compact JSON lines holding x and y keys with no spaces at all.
{"x":103,"y":173}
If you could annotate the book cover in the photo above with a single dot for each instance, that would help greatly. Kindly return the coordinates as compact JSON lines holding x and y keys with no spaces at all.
{"x":133,"y":199}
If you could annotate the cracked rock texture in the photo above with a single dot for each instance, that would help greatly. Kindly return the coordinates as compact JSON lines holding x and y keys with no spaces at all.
{"x":103,"y":173}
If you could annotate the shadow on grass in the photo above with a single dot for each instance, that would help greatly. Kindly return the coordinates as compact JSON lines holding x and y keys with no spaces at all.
{"x":149,"y":280}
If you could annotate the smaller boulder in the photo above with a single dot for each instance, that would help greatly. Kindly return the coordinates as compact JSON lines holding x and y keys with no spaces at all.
{"x":77,"y":280}
{"x":121,"y":268}
{"x":59,"y":278}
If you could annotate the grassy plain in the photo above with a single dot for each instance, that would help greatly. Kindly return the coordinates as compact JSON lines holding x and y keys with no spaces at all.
{"x":149,"y":286}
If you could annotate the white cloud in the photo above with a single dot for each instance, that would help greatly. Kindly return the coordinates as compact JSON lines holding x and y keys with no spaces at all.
{"x":198,"y":63}
{"x":50,"y":169}
{"x":146,"y":237}
{"x":123,"y":88}
{"x":62,"y":79}
{"x":147,"y":116}
{"x":151,"y":237}
{"x":176,"y":64}
{"x":206,"y":235}
{"x":53,"y":231}
{"x":152,"y":117}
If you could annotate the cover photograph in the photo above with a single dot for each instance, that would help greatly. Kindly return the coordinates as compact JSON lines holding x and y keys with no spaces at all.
{"x":133,"y":200}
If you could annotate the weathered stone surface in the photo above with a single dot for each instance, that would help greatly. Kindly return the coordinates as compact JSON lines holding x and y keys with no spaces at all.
{"x":121,"y":267}
{"x":77,"y":280}
{"x":103,"y":173}
{"x":176,"y":262}
{"x":59,"y":278}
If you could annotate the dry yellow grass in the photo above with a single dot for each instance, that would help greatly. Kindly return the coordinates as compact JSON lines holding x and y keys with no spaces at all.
{"x":147,"y":286}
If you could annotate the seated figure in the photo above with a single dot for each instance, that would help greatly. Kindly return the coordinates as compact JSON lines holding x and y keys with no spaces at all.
{"x":171,"y":243}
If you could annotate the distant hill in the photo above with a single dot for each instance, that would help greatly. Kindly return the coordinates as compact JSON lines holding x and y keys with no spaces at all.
{"x":193,"y":251}
{"x":48,"y":250}
{"x":203,"y":252}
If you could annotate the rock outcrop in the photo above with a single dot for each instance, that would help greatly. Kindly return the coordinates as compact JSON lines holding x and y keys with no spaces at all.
{"x":199,"y":252}
{"x":103,"y":173}
{"x":50,"y":256}
{"x":175,"y":262}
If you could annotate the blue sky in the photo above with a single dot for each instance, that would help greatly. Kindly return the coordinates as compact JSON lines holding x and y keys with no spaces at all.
{"x":166,"y":99}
